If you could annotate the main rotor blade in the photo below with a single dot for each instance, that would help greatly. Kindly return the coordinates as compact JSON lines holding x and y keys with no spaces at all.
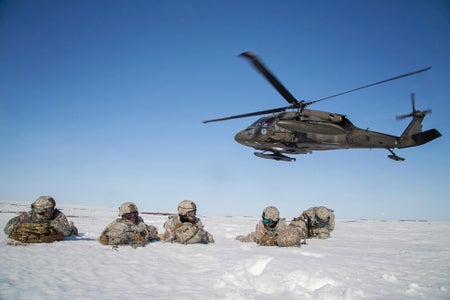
{"x":269,"y":76}
{"x":369,"y":85}
{"x":257,"y":113}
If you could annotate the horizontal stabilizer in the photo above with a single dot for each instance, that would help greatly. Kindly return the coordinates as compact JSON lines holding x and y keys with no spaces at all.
{"x":426,"y":136}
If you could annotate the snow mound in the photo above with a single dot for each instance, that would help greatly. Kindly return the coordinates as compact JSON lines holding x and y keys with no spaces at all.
{"x":364,"y":259}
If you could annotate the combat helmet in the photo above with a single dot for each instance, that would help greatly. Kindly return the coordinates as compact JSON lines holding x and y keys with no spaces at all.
{"x":186,"y":206}
{"x":271,"y":213}
{"x":126,"y":208}
{"x":43,"y":203}
{"x":322,"y":213}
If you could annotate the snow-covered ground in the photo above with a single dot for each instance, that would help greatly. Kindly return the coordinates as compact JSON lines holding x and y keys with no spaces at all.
{"x":364,"y":259}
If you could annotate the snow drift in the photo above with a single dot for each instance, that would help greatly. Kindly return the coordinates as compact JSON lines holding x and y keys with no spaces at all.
{"x":364,"y":259}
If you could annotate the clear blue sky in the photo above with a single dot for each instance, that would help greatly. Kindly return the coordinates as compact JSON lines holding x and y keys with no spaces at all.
{"x":102,"y":101}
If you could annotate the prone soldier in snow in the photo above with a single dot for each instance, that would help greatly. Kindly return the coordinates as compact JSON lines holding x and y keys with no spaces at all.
{"x":129,"y":229}
{"x":272,"y":230}
{"x":319,"y":220}
{"x":43,"y":224}
{"x":186,"y":228}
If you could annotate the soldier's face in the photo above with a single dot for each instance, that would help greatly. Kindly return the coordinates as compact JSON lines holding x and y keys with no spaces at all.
{"x":132,"y":217}
{"x":191,"y":215}
{"x":47,"y":213}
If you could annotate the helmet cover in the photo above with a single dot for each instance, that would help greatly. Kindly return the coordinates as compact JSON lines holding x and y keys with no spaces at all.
{"x":186,"y":206}
{"x":322,"y":213}
{"x":271,"y":213}
{"x":126,"y":208}
{"x":43,"y":203}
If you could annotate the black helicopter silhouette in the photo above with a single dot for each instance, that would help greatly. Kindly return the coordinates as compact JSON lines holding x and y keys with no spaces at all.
{"x":293,"y":129}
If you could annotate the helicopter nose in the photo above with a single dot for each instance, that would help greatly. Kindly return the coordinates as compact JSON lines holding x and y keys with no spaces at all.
{"x":244,"y":136}
{"x":239,"y":137}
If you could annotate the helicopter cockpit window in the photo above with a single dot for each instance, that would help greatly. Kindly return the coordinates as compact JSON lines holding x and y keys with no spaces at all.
{"x":254,"y":124}
{"x":264,"y":122}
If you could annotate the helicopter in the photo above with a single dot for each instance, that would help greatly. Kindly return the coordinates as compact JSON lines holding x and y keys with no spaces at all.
{"x":294,"y":129}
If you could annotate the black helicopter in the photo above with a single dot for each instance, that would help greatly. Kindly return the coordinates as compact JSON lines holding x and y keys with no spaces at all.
{"x":293,"y":129}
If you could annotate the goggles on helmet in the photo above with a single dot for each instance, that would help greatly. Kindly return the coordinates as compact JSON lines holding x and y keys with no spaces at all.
{"x":268,"y":223}
{"x":191,"y":213}
{"x":44,"y":211}
{"x":131,"y":215}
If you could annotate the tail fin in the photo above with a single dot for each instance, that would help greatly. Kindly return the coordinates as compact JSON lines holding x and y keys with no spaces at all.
{"x":426,"y":136}
{"x":413,"y":135}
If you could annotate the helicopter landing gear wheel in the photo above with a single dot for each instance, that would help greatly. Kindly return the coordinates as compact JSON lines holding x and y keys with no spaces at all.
{"x":394,"y":156}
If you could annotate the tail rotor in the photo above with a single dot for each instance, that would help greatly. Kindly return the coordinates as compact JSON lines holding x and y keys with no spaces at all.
{"x":414,"y":113}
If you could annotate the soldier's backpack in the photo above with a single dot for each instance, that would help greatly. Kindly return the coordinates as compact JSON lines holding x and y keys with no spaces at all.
{"x":36,"y":233}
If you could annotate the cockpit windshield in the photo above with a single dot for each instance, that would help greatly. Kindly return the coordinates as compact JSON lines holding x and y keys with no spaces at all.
{"x":263,"y":122}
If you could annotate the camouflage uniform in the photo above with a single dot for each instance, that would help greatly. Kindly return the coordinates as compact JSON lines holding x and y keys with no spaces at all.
{"x":55,"y":217}
{"x":272,"y":231}
{"x":186,"y":228}
{"x":128,"y":231}
{"x":301,"y":226}
{"x":320,"y":221}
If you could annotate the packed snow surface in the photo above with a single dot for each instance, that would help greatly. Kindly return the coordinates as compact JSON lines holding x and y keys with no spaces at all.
{"x":364,"y":259}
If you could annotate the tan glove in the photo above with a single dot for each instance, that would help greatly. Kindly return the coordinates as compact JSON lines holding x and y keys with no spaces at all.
{"x":138,"y":238}
{"x":103,"y":239}
{"x":267,"y":240}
